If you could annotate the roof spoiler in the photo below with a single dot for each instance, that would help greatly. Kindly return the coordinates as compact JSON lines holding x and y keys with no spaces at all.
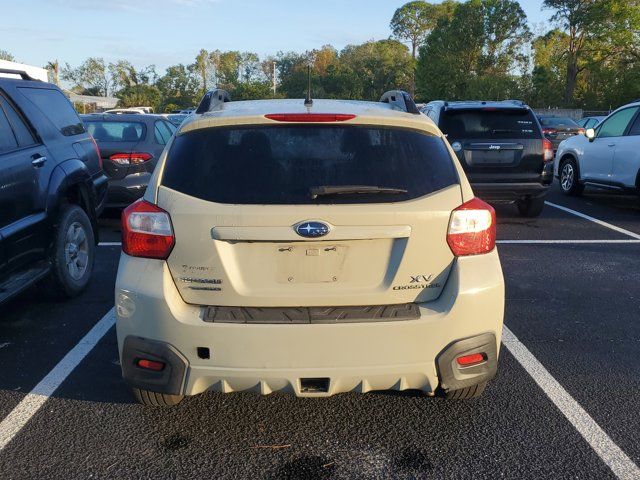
{"x":23,"y":74}
{"x":213,"y":100}
{"x":400,"y":100}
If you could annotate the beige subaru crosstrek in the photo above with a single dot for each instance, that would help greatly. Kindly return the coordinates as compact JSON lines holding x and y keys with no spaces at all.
{"x":308,"y":247}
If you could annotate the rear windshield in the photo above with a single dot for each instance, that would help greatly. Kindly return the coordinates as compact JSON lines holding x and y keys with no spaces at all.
{"x":489,"y":124}
{"x":281,"y":164}
{"x":116,"y":131}
{"x":558,"y":122}
{"x":57,"y":108}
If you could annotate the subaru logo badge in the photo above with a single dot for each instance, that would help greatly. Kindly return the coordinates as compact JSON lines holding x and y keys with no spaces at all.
{"x":311,"y":229}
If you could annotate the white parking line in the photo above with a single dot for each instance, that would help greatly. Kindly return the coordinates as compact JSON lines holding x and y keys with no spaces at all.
{"x":33,"y":401}
{"x":595,"y":220}
{"x":619,"y":463}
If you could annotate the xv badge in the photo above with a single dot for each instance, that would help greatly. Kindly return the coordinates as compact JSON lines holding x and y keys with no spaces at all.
{"x":421,"y":278}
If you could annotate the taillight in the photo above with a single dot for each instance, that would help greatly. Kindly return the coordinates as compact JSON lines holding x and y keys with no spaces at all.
{"x":130,"y":158}
{"x":95,"y":145}
{"x":310,"y":117}
{"x":581,"y":131}
{"x":472,"y":228}
{"x":146,"y":231}
{"x":547,"y":148}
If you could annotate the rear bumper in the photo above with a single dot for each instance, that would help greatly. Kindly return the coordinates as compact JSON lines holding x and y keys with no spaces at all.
{"x":125,"y":191}
{"x":410,"y":354}
{"x":509,"y":192}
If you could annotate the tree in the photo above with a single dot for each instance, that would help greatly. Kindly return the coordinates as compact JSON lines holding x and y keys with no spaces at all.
{"x":140,"y":95}
{"x":54,"y":68}
{"x":412,"y":23}
{"x":477,"y":52}
{"x":598,"y":31}
{"x":4,"y":55}
{"x":92,"y":76}
{"x":205,"y":65}
{"x":179,"y":88}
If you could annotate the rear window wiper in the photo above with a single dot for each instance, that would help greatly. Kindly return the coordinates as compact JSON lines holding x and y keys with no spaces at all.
{"x":326,"y":190}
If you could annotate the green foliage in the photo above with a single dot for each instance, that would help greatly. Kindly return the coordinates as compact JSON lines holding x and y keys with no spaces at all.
{"x":140,"y":95}
{"x":179,"y":87}
{"x":476,"y":52}
{"x":4,"y":55}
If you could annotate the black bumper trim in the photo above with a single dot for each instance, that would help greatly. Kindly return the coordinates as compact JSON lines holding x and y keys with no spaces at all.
{"x":169,"y":381}
{"x":454,"y":377}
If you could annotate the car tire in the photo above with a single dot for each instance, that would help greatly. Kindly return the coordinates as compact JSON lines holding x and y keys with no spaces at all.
{"x":530,"y":207}
{"x":72,"y":253}
{"x":568,"y":173}
{"x":465,"y":393}
{"x":154,"y":399}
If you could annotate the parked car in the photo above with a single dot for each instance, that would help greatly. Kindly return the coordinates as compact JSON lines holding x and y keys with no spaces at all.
{"x":52,"y":189}
{"x":130,"y":146}
{"x":558,"y":129}
{"x":177,"y":118}
{"x":605,"y":157}
{"x":311,"y":249}
{"x":132,"y":110}
{"x":501,"y":148}
{"x":590,"y":122}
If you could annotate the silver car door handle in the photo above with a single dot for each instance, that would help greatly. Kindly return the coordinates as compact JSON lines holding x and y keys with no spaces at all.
{"x":39,"y":161}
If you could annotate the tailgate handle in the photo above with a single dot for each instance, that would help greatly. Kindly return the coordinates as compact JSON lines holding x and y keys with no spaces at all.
{"x":288,"y":234}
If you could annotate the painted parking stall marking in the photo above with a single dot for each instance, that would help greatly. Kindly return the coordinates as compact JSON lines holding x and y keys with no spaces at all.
{"x":35,"y":399}
{"x":619,"y":463}
{"x":594,"y":220}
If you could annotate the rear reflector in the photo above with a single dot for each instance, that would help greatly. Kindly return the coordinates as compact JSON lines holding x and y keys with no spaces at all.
{"x":146,"y":231}
{"x":310,"y":117}
{"x":130,"y":158}
{"x":472,"y":228}
{"x":470,"y":360}
{"x":150,"y":365}
{"x":547,"y":147}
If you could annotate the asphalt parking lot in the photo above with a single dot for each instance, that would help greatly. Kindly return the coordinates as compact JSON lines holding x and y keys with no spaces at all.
{"x":564,"y":403}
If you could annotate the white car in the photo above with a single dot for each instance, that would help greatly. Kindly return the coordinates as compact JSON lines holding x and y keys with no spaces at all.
{"x":605,"y":157}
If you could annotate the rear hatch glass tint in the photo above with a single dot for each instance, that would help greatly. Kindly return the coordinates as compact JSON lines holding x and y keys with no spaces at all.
{"x":282,"y":164}
{"x":104,"y":131}
{"x":489,"y":124}
{"x":563,"y":122}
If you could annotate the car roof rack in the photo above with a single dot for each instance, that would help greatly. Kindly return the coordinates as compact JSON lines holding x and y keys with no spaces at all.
{"x":213,"y":100}
{"x":400,"y":100}
{"x":23,"y":74}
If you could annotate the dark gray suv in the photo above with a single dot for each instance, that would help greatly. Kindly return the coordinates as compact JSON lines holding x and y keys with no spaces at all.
{"x":501,"y":148}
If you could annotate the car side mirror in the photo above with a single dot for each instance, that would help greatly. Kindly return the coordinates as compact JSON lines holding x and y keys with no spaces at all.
{"x":590,"y":133}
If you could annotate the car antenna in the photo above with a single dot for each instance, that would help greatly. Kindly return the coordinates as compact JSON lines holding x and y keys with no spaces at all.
{"x":308,"y":101}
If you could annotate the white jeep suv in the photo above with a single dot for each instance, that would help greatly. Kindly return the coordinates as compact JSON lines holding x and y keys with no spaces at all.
{"x":309,"y":248}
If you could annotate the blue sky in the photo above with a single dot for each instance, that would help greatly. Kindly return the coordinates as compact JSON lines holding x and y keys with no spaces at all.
{"x":166,"y":32}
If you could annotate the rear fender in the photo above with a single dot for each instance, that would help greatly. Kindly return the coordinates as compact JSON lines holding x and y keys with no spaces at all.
{"x":71,"y":182}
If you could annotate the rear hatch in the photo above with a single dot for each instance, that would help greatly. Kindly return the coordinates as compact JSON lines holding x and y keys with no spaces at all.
{"x":558,"y":129}
{"x":117,"y":140}
{"x":495,"y":144}
{"x":250,"y":231}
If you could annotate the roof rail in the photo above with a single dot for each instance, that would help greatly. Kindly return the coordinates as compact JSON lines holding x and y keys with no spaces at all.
{"x":400,"y":100}
{"x":22,"y":73}
{"x":213,"y":100}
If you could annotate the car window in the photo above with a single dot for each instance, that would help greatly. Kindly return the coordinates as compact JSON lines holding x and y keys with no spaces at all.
{"x":107,"y":131}
{"x":489,"y":124}
{"x":584,"y":122}
{"x":162,"y":132}
{"x":590,"y":123}
{"x":565,"y":122}
{"x":280,"y":164}
{"x":8,"y":140}
{"x":56,"y":107}
{"x":635,"y":128}
{"x":20,"y":129}
{"x":617,"y":123}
